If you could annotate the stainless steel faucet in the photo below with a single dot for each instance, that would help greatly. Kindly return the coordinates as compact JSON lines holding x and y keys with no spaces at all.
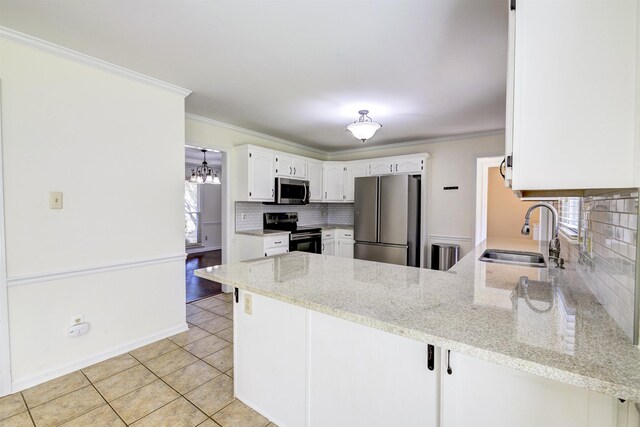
{"x":554,"y":243}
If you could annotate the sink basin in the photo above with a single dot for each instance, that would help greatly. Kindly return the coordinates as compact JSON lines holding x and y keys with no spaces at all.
{"x":529,"y":259}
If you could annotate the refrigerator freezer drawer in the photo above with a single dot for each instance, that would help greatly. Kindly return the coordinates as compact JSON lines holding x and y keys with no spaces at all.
{"x":381,"y":253}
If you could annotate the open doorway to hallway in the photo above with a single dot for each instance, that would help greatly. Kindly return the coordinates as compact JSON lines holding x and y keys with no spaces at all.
{"x":203,"y":219}
{"x":499,"y":212}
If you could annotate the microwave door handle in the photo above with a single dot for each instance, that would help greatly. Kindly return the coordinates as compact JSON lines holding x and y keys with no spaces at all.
{"x":304,"y":184}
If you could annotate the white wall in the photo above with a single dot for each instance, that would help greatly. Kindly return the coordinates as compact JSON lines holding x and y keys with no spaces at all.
{"x":451,"y":213}
{"x":87,"y":132}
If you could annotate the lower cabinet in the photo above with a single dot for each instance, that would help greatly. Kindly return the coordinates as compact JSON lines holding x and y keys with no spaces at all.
{"x":328,"y":247}
{"x":360,"y":376}
{"x":483,"y":394}
{"x":299,"y":367}
{"x":251,"y":247}
{"x":338,"y":242}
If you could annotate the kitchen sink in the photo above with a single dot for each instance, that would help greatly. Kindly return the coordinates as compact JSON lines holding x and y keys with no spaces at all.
{"x":529,"y":259}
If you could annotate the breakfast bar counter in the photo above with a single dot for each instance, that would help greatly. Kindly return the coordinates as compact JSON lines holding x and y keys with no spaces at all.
{"x":540,"y":321}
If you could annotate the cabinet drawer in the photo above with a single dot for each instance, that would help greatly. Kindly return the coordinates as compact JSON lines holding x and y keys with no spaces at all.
{"x":345,"y":234}
{"x":328,"y":234}
{"x":277,"y":241}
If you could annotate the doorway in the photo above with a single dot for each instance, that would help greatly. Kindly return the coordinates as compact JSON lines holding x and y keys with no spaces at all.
{"x":499,"y":212}
{"x":203,"y":204}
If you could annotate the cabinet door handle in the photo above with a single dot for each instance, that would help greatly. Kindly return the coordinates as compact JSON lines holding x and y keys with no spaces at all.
{"x":391,"y":168}
{"x":236,"y":294}
{"x":294,"y":170}
{"x":278,"y":242}
{"x":265,"y":254}
{"x":449,"y":370}
{"x":289,"y":170}
{"x":272,"y":192}
{"x":325,"y":194}
{"x":430,"y":357}
{"x":323,"y":247}
{"x":396,"y":167}
{"x":347,"y":235}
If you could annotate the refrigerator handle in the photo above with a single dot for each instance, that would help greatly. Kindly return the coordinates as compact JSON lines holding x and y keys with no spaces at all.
{"x":378,"y":209}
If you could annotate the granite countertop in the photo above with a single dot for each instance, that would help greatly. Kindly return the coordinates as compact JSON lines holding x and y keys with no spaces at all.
{"x":261,"y":232}
{"x":553,"y":327}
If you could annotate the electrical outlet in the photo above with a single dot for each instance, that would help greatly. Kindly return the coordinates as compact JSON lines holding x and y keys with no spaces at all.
{"x":55,"y":200}
{"x":206,"y":238}
{"x":78,"y":318}
{"x":247,"y":304}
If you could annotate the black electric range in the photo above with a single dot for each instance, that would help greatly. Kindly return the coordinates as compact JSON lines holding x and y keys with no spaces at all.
{"x":304,"y":239}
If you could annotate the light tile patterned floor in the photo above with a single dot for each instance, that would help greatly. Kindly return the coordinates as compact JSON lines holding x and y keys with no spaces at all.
{"x":185,"y":380}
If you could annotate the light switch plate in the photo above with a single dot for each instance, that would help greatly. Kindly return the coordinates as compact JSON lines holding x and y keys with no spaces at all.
{"x":55,"y":200}
{"x":247,"y":304}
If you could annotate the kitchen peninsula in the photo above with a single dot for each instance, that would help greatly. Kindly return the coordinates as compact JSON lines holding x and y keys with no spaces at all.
{"x":322,"y":340}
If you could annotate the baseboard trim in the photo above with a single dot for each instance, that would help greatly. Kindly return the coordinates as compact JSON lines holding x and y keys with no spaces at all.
{"x":200,"y":250}
{"x":34,"y":380}
{"x":28,"y":279}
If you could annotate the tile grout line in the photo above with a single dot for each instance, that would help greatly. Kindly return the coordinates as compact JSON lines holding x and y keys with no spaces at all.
{"x":105,"y":400}
{"x":28,"y":410}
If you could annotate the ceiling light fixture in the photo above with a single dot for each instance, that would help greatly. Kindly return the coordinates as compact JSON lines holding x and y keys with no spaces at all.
{"x":203,"y":174}
{"x":363,"y":128}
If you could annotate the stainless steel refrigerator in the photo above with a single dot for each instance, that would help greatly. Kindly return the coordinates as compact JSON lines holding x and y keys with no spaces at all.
{"x":387,"y":219}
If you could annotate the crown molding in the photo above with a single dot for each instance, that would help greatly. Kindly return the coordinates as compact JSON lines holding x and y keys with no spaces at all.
{"x":330,"y":154}
{"x":254,"y":133}
{"x":66,"y":53}
{"x":418,"y":142}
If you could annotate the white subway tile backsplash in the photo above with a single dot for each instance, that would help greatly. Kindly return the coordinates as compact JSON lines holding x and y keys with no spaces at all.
{"x":606,"y":257}
{"x":313,"y":213}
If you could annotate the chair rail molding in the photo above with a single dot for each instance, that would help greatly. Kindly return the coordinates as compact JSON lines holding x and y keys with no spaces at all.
{"x":27,"y":279}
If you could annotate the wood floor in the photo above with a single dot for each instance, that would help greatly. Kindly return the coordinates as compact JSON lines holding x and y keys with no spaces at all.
{"x":198,"y":288}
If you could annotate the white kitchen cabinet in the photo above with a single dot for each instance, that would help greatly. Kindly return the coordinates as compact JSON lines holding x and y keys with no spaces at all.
{"x":352,"y":171}
{"x":314,"y":175}
{"x":344,"y":243}
{"x":253,"y":246}
{"x":381,"y":167}
{"x":345,"y":248}
{"x":362,"y":376}
{"x":573,"y":90}
{"x":270,"y":352}
{"x":328,"y":247}
{"x":484,"y":394}
{"x":290,"y":167}
{"x":333,"y":181}
{"x":255,"y":174}
{"x":410,"y":165}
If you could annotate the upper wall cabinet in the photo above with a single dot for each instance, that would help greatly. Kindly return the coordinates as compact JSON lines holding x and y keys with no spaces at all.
{"x":333,"y":181}
{"x":256,"y":169}
{"x":255,"y":175}
{"x":573,"y":94}
{"x":352,"y":171}
{"x":291,"y":167}
{"x":381,"y":167}
{"x":314,"y":175}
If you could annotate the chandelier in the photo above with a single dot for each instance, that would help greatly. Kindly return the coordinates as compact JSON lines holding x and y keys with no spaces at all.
{"x":204,"y":174}
{"x":363,"y":128}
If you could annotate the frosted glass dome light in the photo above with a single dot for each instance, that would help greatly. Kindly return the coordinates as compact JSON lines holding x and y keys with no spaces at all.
{"x":363,"y":128}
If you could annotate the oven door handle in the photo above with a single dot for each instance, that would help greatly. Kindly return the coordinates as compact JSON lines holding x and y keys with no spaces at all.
{"x":304,"y":236}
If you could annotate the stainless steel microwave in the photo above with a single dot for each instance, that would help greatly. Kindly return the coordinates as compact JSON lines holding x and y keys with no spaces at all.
{"x":291,"y":192}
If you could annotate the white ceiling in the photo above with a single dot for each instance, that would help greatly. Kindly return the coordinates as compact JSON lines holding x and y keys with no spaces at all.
{"x":301,"y":69}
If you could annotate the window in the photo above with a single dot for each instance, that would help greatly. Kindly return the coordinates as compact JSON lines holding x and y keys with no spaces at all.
{"x":569,"y":216}
{"x":192,"y":214}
